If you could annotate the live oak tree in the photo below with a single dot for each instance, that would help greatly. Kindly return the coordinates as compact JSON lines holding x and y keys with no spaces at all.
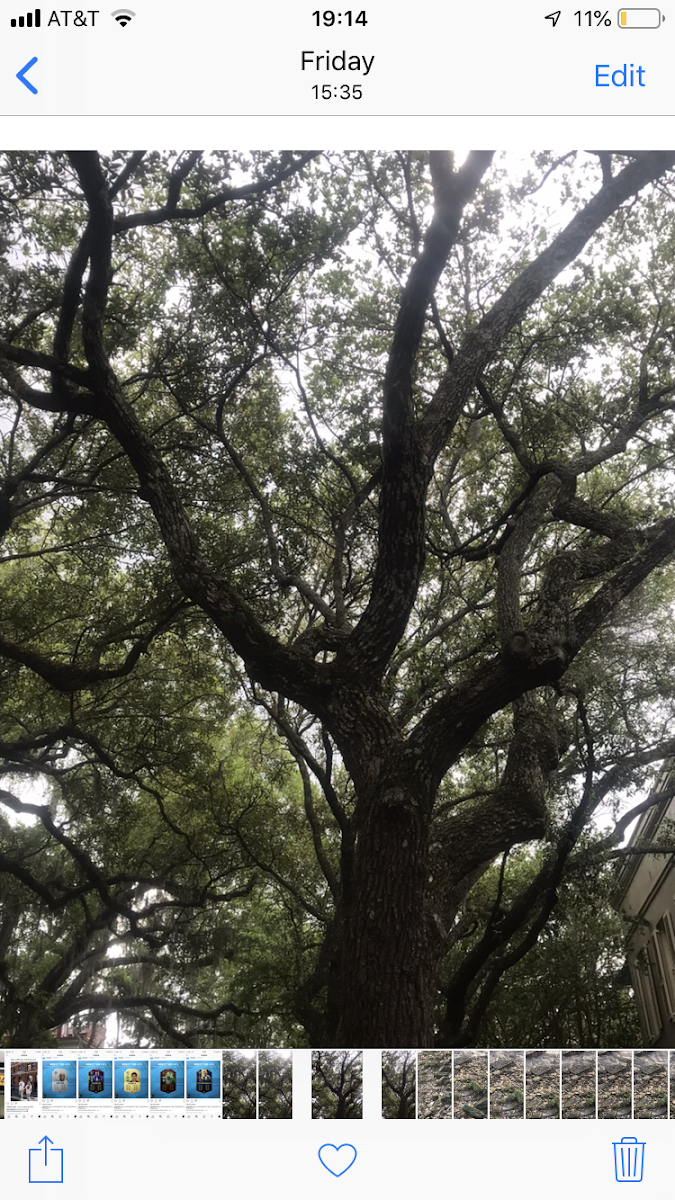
{"x":337,"y":528}
{"x":337,"y":1085}
{"x":572,"y":988}
{"x":275,"y":1085}
{"x":240,"y":1099}
{"x":399,"y":1085}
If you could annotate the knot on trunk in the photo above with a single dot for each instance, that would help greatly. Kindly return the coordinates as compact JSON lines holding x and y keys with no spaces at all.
{"x":536,"y":652}
{"x":398,"y":808}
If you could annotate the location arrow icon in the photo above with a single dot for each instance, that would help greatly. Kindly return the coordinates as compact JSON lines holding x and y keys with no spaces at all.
{"x":553,"y":17}
{"x":27,"y":83}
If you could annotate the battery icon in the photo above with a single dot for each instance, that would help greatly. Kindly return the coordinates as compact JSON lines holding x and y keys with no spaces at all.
{"x":640,"y":18}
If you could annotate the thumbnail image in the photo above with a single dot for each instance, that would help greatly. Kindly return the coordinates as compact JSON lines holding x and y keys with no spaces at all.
{"x":203,"y":1079}
{"x":507,"y":1085}
{"x":131,"y":1079}
{"x":399,"y":1085}
{"x":240,"y":1099}
{"x":2,"y":1085}
{"x":95,"y":1079}
{"x":615,"y":1084}
{"x":275,"y":1085}
{"x":59,"y":1079}
{"x":337,"y":1085}
{"x":542,"y":1085}
{"x":373,"y":451}
{"x":24,"y":1080}
{"x":470,"y":1085}
{"x":167,"y":1079}
{"x":434,"y":1085}
{"x":578,"y":1085}
{"x":650,"y":1085}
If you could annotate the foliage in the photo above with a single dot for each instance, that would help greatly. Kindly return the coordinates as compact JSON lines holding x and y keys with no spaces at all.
{"x":275,"y":1085}
{"x":239,"y":1086}
{"x":337,"y":1085}
{"x":399,"y":1084}
{"x":336,"y":561}
{"x":572,"y":988}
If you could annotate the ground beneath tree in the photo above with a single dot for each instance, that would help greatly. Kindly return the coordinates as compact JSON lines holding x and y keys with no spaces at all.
{"x":615,"y":1078}
{"x":650,"y":1085}
{"x":507,"y":1083}
{"x":578,"y":1085}
{"x":542,"y":1085}
{"x":628,"y":1085}
{"x":434,"y":1085}
{"x":471,"y":1085}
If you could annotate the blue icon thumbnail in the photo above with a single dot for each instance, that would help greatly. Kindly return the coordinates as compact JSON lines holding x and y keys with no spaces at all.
{"x":131,"y":1079}
{"x":202,"y":1078}
{"x":59,"y":1079}
{"x":167,"y":1079}
{"x":95,"y":1079}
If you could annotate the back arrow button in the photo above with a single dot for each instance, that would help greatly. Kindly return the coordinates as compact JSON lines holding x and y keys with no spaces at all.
{"x":22,"y":76}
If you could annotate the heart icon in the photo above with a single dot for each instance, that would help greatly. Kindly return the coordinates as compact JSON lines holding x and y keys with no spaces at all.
{"x":337,"y":1159}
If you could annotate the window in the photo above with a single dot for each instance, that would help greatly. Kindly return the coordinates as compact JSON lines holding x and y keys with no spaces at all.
{"x":664,"y":952}
{"x":643,"y":975}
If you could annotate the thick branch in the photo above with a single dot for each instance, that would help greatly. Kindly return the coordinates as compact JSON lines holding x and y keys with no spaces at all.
{"x":275,"y":666}
{"x":171,"y":212}
{"x":400,"y":555}
{"x":480,"y":345}
{"x":540,"y":658}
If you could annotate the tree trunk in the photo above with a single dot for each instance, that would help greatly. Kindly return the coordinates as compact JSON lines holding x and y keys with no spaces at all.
{"x":388,"y":960}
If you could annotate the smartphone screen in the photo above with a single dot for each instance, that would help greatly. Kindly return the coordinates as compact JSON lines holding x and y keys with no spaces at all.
{"x":337,"y":572}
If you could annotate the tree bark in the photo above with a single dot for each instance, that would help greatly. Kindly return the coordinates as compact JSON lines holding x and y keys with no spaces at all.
{"x":388,"y":963}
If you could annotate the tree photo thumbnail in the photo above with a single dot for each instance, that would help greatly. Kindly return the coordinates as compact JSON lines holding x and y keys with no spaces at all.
{"x":275,"y":1085}
{"x":399,"y":1085}
{"x":239,"y":1085}
{"x":336,"y":639}
{"x":337,"y":1085}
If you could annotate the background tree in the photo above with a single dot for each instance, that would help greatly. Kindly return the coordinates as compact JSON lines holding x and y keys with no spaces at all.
{"x":275,"y":1085}
{"x":399,"y":1085}
{"x":337,"y":529}
{"x":572,"y":988}
{"x":239,"y":1086}
{"x":337,"y":1085}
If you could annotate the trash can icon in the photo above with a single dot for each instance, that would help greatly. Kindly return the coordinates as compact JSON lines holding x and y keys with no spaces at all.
{"x":629,"y":1157}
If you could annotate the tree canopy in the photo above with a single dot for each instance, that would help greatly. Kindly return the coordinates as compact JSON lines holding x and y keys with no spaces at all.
{"x":240,"y":1102}
{"x":275,"y":1085}
{"x":336,"y":564}
{"x":337,"y":1085}
{"x":399,"y":1085}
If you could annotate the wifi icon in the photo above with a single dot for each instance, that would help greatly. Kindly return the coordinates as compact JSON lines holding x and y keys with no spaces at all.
{"x":123,"y":16}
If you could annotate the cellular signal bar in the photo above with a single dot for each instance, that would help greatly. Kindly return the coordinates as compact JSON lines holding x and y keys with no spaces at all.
{"x":27,"y":22}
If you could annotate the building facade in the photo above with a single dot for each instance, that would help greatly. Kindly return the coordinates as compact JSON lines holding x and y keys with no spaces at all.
{"x":645,"y":896}
{"x":88,"y":1037}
